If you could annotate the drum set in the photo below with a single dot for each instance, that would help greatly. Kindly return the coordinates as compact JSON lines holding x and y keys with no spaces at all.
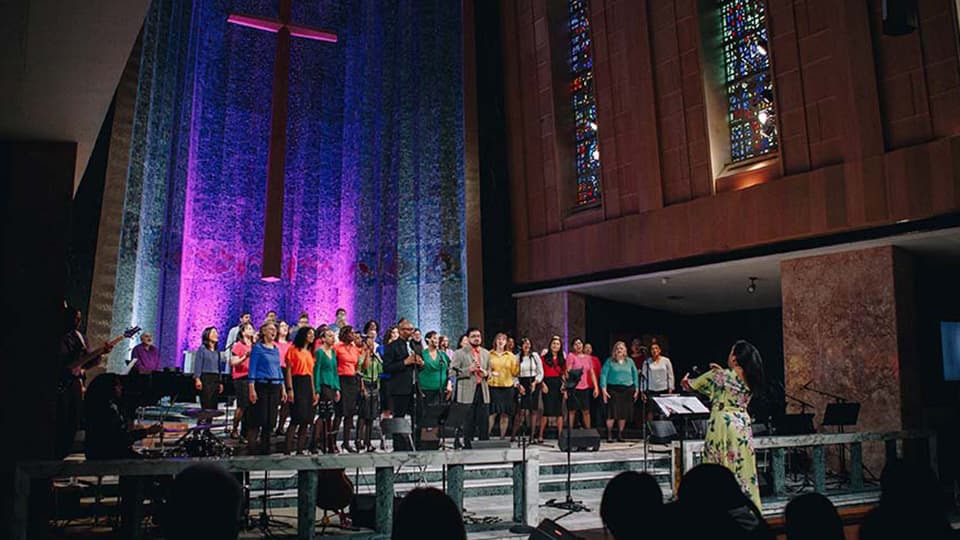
{"x":199,"y":441}
{"x":161,"y":389}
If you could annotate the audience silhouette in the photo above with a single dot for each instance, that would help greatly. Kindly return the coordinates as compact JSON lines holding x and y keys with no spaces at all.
{"x":812,"y":516}
{"x":631,"y":505}
{"x":911,"y":505}
{"x":204,"y":502}
{"x":711,"y":497}
{"x":427,"y":513}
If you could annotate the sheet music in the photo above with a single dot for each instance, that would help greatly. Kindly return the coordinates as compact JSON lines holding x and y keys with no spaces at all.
{"x":680,"y":405}
{"x":126,"y":369}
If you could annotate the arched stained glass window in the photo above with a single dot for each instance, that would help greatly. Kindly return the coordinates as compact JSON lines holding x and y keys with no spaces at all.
{"x":587,"y":151}
{"x":750,"y":104}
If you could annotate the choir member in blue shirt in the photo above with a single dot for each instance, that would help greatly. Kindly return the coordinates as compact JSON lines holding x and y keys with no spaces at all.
{"x":266,"y":390}
{"x":620,"y":386}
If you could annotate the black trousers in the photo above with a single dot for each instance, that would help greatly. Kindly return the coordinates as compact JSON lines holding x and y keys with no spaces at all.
{"x":69,"y":411}
{"x":478,"y":417}
{"x":210,"y":391}
{"x":402,"y":405}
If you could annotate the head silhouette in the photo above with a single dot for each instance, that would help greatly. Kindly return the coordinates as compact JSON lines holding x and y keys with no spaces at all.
{"x":812,"y":516}
{"x":427,"y":513}
{"x":210,"y":490}
{"x":628,"y":500}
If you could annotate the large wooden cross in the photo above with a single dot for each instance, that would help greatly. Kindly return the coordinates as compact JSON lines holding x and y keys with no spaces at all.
{"x":273,"y":220}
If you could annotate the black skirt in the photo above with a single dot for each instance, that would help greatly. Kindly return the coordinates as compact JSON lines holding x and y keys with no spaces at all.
{"x":579,"y":400}
{"x":552,"y":400}
{"x":620,"y":406}
{"x":326,"y":405}
{"x":263,"y":413}
{"x":529,"y":401}
{"x":501,"y":399}
{"x":369,"y":405}
{"x":349,"y":391}
{"x":432,"y":398}
{"x":302,"y":410}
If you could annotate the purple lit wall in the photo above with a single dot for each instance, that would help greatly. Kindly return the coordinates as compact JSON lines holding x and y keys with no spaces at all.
{"x":373,"y":217}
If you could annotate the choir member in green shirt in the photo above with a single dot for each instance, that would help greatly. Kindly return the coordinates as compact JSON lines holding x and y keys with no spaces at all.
{"x":432,"y":376}
{"x":327,"y":384}
{"x":370,"y":369}
{"x":621,"y":387}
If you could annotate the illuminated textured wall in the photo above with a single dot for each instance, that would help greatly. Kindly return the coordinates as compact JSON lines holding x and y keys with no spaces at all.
{"x":373,"y":217}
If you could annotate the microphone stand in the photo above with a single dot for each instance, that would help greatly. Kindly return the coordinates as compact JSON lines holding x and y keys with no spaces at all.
{"x":643,"y":424}
{"x":569,"y":504}
{"x":843,"y":455}
{"x":803,"y":404}
{"x":523,"y":528}
{"x":835,"y":397}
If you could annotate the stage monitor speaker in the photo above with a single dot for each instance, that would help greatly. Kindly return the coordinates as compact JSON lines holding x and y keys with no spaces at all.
{"x":661,"y":431}
{"x":794,"y":424}
{"x":492,"y":444}
{"x":550,"y":530}
{"x":580,"y":440}
{"x":899,"y":17}
{"x":363,"y":510}
{"x":429,"y":438}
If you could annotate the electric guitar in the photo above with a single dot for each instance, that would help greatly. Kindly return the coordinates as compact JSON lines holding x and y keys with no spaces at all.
{"x":75,"y":369}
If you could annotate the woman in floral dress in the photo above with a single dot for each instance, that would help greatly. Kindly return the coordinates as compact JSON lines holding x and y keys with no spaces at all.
{"x":729,"y":440}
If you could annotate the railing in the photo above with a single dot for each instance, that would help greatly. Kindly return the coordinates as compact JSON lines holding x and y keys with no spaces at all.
{"x":778,"y":445}
{"x":526,"y":478}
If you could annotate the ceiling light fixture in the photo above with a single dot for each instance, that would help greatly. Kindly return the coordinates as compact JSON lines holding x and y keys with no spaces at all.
{"x":752,"y":288}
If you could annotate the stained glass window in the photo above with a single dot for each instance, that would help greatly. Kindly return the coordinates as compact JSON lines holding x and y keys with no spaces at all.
{"x":751,"y":113}
{"x":584,"y":104}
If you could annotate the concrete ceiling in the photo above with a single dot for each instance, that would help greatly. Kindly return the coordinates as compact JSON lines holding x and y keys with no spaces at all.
{"x":722,"y":287}
{"x":61,"y":62}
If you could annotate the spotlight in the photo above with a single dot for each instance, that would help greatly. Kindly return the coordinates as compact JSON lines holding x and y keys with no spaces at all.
{"x":664,"y":280}
{"x":752,"y":288}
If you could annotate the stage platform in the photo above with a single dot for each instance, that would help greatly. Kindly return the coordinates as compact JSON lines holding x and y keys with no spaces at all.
{"x":487,"y":503}
{"x":487,"y":488}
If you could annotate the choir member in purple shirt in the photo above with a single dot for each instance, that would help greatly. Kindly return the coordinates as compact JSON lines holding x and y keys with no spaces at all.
{"x":146,"y":355}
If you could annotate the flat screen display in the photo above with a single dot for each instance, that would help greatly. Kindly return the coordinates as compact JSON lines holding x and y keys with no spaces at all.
{"x":950,"y":343}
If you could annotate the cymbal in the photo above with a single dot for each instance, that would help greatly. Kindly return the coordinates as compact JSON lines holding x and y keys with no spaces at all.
{"x":203,"y":413}
{"x":198,"y":427}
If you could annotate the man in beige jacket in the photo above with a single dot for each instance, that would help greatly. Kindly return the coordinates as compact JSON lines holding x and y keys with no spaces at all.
{"x":471,"y":368}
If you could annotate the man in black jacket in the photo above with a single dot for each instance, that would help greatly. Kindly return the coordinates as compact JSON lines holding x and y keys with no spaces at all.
{"x":401,"y":362}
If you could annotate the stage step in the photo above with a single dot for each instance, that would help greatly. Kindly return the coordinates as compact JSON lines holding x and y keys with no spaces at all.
{"x":588,"y":471}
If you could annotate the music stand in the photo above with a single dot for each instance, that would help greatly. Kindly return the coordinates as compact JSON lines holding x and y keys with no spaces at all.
{"x":397,"y":426}
{"x":457,"y":416}
{"x":841,"y":414}
{"x":435,"y":416}
{"x":685,"y":407}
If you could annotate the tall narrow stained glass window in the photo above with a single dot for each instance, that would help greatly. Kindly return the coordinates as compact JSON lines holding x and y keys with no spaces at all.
{"x":584,"y":104}
{"x":750,"y":104}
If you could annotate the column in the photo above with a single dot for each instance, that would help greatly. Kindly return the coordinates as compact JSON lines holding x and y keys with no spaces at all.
{"x":848,"y":329}
{"x":540,"y":316}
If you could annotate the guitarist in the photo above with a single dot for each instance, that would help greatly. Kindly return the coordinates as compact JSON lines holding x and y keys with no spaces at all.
{"x":74,"y":357}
